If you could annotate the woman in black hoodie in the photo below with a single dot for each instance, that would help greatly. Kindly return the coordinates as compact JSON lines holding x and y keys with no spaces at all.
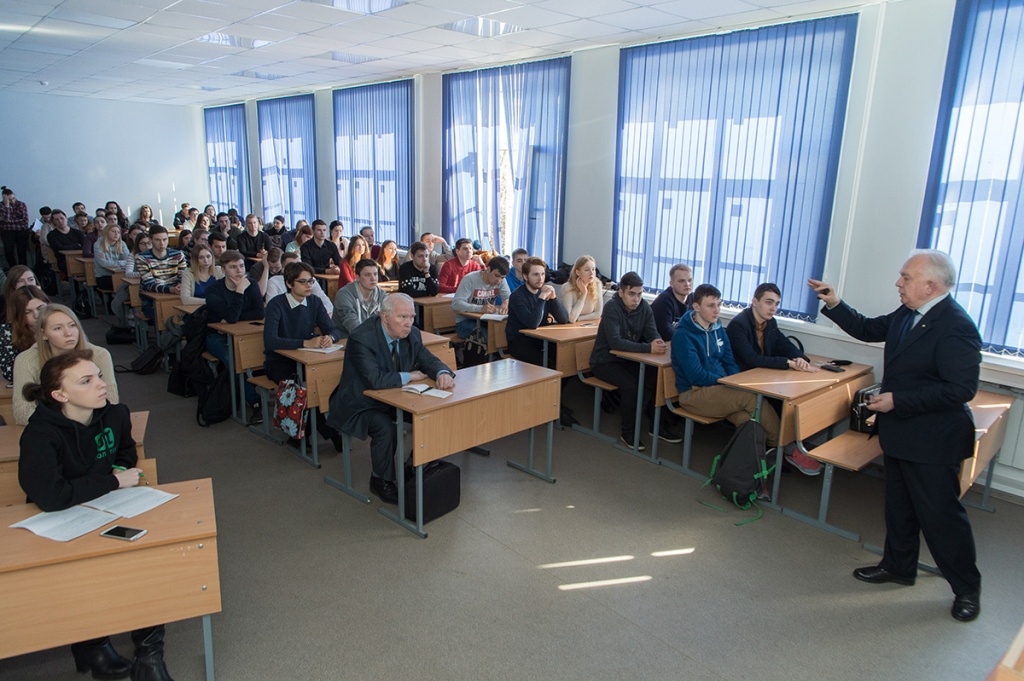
{"x":75,"y":448}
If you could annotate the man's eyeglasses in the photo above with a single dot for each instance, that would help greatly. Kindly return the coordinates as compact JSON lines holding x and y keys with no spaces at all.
{"x":305,"y":282}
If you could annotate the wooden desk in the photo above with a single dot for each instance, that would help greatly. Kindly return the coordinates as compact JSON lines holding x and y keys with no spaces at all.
{"x":661,"y":363}
{"x":163,"y":308}
{"x":187,"y":309}
{"x":171,"y":574}
{"x":245,"y":353}
{"x":75,"y":269}
{"x":501,"y":398}
{"x":329,"y":283}
{"x":389,"y":286}
{"x":496,"y":340}
{"x":791,"y":387}
{"x":435,"y":313}
{"x":564,"y":337}
{"x":990,"y":411}
{"x":6,"y":402}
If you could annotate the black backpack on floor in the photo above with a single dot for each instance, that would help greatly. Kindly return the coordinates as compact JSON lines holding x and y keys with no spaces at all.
{"x":741,"y":471}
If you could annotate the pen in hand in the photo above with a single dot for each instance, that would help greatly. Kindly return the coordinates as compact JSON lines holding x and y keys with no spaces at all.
{"x":122,"y":468}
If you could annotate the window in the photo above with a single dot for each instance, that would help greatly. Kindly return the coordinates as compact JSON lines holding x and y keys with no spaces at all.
{"x":727,"y":153}
{"x":973,"y":206}
{"x":505,"y":133}
{"x":288,"y":158}
{"x":373,"y":149}
{"x":227,"y":159}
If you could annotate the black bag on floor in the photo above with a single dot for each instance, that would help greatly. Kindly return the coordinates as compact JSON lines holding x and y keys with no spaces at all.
{"x":214,"y":404}
{"x":441,"y":490}
{"x":178,"y":383}
{"x":741,"y":471}
{"x":120,"y":335}
{"x":145,"y":364}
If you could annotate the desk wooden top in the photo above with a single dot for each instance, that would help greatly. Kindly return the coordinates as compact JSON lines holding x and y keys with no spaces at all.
{"x":160,"y":297}
{"x":327,"y":276}
{"x":72,"y":253}
{"x":478,"y":315}
{"x":563,"y":333}
{"x":472,"y":383}
{"x":186,"y":518}
{"x":432,"y":339}
{"x":389,"y":286}
{"x":789,"y":385}
{"x":187,"y":309}
{"x":85,"y":260}
{"x":649,"y":358}
{"x":427,"y":301}
{"x":987,"y":408}
{"x":6,"y":394}
{"x":238,"y":328}
{"x":309,"y":358}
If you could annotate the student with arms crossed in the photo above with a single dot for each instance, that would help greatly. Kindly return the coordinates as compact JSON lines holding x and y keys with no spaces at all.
{"x":417,"y":278}
{"x":532,"y":305}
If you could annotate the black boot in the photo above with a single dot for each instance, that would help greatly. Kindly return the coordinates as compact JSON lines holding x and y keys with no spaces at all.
{"x":149,"y":655}
{"x":99,"y":656}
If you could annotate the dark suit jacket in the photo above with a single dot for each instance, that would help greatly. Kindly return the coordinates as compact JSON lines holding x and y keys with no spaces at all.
{"x":778,"y":349}
{"x":368,"y":367}
{"x":932,"y":375}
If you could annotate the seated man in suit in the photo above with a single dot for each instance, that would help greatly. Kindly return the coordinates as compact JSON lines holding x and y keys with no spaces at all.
{"x":757,"y":342}
{"x":359,"y":300}
{"x":385,"y":351}
{"x":701,"y":354}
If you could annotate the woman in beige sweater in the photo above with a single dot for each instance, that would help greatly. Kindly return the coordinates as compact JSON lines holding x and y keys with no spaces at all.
{"x":582,"y":295}
{"x":58,"y":331}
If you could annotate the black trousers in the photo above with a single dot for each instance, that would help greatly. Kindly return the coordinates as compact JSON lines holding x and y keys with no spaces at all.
{"x":382,"y":444}
{"x":623,"y":375}
{"x":531,"y":350}
{"x":924,"y":499}
{"x":16,"y":245}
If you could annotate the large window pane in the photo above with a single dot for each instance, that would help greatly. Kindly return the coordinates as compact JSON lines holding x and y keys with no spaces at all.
{"x":727,"y":153}
{"x":373,"y":147}
{"x":288,"y":158}
{"x":505,"y":134}
{"x":227,"y":159}
{"x":973,"y":206}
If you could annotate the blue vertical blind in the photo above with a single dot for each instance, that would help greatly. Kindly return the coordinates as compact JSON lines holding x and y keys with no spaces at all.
{"x":505,"y":135}
{"x":974,"y":206}
{"x":288,"y":158}
{"x":373,"y":148}
{"x":227,"y":159}
{"x":727,"y":153}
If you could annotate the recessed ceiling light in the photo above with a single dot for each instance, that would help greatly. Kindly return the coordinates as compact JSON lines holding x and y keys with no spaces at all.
{"x":90,"y":19}
{"x":360,"y":6}
{"x":485,"y":28}
{"x":162,"y":63}
{"x":257,"y":74}
{"x":233,"y":40}
{"x":349,"y":58}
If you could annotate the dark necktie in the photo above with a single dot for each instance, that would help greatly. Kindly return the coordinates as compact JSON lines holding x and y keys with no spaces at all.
{"x":394,"y":356}
{"x":908,"y":324}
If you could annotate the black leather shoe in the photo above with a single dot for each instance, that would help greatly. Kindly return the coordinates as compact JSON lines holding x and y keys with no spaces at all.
{"x":966,"y":608}
{"x":386,"y":490}
{"x":256,"y":414}
{"x":99,"y":657}
{"x":876,"y":574}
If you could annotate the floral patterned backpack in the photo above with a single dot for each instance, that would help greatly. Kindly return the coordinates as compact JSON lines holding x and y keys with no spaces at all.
{"x":290,"y":415}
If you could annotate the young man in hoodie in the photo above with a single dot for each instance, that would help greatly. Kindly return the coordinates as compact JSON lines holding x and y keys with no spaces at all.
{"x":627,"y":324}
{"x":701,"y":354}
{"x":672,"y":303}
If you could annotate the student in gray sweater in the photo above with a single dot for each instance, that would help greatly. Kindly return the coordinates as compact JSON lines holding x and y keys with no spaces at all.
{"x":627,"y":324}
{"x":484,"y":291}
{"x":359,"y":300}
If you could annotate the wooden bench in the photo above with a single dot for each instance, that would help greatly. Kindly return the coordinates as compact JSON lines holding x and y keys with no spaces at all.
{"x":583,"y":352}
{"x":1011,"y":667}
{"x":850,"y":450}
{"x":990,"y":411}
{"x":11,"y":493}
{"x":671,"y":393}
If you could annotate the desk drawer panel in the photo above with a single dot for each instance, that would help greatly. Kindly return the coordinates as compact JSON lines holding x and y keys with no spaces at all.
{"x":59,"y":604}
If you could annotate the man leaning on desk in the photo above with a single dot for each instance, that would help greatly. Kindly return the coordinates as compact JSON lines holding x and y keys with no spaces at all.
{"x":385,"y":351}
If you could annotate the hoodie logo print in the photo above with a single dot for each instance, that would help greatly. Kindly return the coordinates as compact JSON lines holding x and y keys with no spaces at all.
{"x":104,"y":443}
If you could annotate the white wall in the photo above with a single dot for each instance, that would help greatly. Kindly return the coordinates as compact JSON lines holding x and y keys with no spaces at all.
{"x":59,"y":150}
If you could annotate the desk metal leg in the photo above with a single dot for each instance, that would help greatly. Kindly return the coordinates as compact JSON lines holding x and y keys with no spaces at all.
{"x":635,"y":451}
{"x":399,"y":518}
{"x":529,"y":468}
{"x":776,"y":481}
{"x":208,"y":645}
{"x":346,"y":468}
{"x":987,"y":492}
{"x":657,"y":432}
{"x":687,"y":446}
{"x":822,"y":520}
{"x":234,"y":386}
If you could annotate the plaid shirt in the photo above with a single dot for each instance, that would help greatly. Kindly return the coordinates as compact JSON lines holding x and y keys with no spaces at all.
{"x":13,"y":217}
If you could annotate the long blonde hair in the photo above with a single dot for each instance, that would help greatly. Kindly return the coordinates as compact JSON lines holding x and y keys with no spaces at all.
{"x":196,"y":250}
{"x":45,"y":351}
{"x":594,"y":288}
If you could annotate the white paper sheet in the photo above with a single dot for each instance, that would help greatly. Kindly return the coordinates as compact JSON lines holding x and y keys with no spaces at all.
{"x":131,"y":501}
{"x":68,"y":524}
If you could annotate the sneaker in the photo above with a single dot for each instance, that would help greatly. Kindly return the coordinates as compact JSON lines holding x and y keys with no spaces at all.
{"x":641,"y":447}
{"x":666,"y":435}
{"x":256,"y":415}
{"x":764,"y":495}
{"x":804,"y":463}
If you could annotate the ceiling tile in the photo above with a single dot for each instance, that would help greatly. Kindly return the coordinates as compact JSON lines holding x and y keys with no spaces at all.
{"x":424,"y":15}
{"x":344,"y":35}
{"x":472,"y":7}
{"x":223,"y":12}
{"x":699,"y":9}
{"x":528,"y":16}
{"x":196,"y":25}
{"x":285,"y":23}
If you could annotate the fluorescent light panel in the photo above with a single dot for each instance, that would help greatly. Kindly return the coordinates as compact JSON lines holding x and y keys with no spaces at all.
{"x":360,"y":6}
{"x":349,"y":58}
{"x":233,"y":41}
{"x":257,"y":74}
{"x":162,"y":63}
{"x":485,"y":28}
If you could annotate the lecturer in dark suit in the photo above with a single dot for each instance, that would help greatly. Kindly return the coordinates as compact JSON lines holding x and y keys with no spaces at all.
{"x":385,"y":351}
{"x":925,"y":428}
